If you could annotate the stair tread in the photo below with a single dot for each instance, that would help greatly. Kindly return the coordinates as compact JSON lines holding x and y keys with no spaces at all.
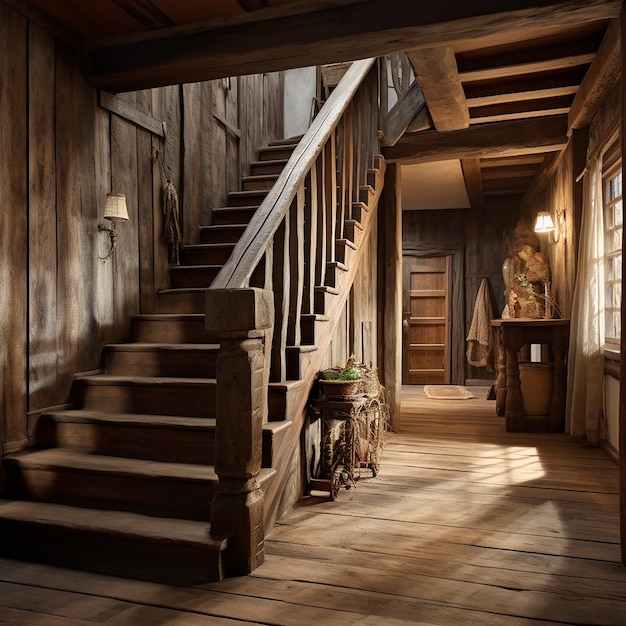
{"x":138,"y":419}
{"x":203,"y":266}
{"x":111,"y":522}
{"x":207,"y":246}
{"x":79,"y":461}
{"x":143,"y":346}
{"x":109,"y":379}
{"x":217,"y":227}
{"x":133,"y":419}
{"x":170,"y":317}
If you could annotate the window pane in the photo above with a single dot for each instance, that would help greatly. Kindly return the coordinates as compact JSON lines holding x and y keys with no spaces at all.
{"x":617,"y":213}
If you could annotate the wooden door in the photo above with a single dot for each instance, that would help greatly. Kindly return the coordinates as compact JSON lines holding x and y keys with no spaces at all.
{"x":426,"y":319}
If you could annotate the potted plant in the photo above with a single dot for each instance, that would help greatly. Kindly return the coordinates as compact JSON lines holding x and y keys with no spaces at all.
{"x":341,"y":383}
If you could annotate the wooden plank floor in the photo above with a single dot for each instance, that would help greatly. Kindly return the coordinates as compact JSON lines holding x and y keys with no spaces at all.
{"x":465,"y":525}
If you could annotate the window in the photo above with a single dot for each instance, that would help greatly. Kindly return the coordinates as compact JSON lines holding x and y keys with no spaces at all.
{"x":612,"y":182}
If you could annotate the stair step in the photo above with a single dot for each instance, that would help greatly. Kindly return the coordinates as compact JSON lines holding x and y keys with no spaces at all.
{"x":125,"y":544}
{"x":170,"y":438}
{"x":366,"y":194}
{"x":358,"y":211}
{"x":185,"y":276}
{"x":216,"y":233}
{"x":308,"y":328}
{"x":212,"y":253}
{"x":172,"y":328}
{"x":277,"y":152}
{"x":189,"y":360}
{"x":260,"y":182}
{"x":246,"y":198}
{"x":276,"y":166}
{"x":321,"y":297}
{"x":333,"y":272}
{"x":279,"y":395}
{"x":294,"y":356}
{"x":150,"y":487}
{"x":182,"y":300}
{"x":353,"y":231}
{"x":233,"y":215}
{"x":344,"y":248}
{"x":189,"y":397}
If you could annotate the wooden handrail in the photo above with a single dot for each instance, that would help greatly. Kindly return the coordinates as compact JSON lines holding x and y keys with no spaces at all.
{"x":252,"y":245}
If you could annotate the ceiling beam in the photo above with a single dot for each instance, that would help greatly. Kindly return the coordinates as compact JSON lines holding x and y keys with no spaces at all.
{"x":600,"y":79}
{"x":533,"y":67}
{"x":521,"y":109}
{"x":313,"y":33}
{"x":473,"y":182}
{"x":437,"y":73}
{"x":489,"y":140}
{"x":536,"y":94}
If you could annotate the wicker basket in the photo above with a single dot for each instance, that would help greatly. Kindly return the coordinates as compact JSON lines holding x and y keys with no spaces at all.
{"x":340,"y":389}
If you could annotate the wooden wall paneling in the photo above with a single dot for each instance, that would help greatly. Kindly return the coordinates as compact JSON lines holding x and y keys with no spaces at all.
{"x":104,"y":304}
{"x":70,"y":280}
{"x":232,"y":137}
{"x":125,"y":264}
{"x":90,"y":173}
{"x":13,"y":226}
{"x":192,"y":187}
{"x":166,"y":105}
{"x":42,"y":256}
{"x":218,"y":145}
{"x":145,"y":213}
{"x":273,"y":86}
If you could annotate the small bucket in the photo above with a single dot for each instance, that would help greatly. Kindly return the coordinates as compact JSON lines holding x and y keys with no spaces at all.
{"x":536,"y":381}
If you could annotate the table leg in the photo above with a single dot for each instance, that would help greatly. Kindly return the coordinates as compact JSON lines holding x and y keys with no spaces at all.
{"x":514,"y":411}
{"x":501,"y":378}
{"x":557,"y":405}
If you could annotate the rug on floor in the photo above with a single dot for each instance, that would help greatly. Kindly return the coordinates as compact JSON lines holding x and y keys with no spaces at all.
{"x":448,"y":392}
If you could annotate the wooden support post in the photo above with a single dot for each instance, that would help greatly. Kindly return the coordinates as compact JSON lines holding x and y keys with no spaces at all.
{"x":390,"y":270}
{"x":243,"y":320}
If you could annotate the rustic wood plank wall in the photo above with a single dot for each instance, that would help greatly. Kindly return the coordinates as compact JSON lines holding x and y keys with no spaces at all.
{"x":13,"y":226}
{"x":562,"y":192}
{"x":357,"y":331}
{"x":64,"y":146}
{"x":477,"y":239}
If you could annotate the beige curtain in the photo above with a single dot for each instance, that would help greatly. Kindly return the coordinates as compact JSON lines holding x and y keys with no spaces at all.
{"x":585,"y":377}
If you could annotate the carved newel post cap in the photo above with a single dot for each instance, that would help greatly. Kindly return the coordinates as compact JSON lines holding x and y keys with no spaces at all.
{"x":239,"y":311}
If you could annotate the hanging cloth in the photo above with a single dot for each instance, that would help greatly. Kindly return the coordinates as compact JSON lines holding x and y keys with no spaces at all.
{"x":171,"y":227}
{"x":480,"y":339}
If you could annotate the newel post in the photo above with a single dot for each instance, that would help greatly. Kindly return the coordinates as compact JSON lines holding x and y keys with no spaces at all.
{"x":243,"y":320}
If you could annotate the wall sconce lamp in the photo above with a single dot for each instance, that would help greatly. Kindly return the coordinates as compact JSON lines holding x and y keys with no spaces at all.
{"x":114,"y":210}
{"x":544,"y":224}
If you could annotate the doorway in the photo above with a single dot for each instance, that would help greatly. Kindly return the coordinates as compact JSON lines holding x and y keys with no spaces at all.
{"x":426,"y":306}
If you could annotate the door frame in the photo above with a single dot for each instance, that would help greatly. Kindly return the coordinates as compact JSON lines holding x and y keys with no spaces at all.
{"x":456,"y":304}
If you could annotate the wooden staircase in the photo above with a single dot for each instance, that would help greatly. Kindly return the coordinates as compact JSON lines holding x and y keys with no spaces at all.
{"x":123,"y":483}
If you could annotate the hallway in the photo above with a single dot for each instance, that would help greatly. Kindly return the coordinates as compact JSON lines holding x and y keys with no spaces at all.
{"x":465,"y":524}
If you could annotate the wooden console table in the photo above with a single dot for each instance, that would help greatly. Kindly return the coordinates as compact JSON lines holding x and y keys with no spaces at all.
{"x":512,"y":335}
{"x":352,"y":438}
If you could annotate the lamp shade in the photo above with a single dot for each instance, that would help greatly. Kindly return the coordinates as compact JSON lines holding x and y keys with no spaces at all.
{"x":544,"y":223}
{"x":115,"y":208}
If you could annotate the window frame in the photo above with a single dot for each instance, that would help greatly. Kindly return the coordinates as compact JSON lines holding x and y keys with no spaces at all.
{"x":611,"y":168}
